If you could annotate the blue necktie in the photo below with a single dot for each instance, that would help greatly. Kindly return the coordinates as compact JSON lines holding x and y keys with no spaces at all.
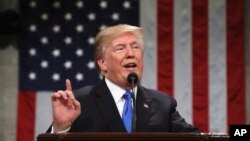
{"x":127,"y":113}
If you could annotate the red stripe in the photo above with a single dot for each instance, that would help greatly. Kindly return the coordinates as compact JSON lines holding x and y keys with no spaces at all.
{"x":165,"y":45}
{"x":235,"y":62}
{"x":200,"y":63}
{"x":26,"y":116}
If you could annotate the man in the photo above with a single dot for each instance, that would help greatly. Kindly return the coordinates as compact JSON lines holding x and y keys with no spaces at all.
{"x":100,"y":108}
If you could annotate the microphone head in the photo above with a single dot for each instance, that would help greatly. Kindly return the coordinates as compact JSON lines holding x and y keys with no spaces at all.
{"x":132,"y":78}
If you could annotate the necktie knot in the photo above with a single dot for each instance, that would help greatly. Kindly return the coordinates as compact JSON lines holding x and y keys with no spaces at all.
{"x":127,"y":113}
{"x":127,"y":95}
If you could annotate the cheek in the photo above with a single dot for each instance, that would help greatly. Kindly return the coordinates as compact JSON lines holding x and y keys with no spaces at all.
{"x":111,"y":63}
{"x":140,"y":59}
{"x":116,"y":59}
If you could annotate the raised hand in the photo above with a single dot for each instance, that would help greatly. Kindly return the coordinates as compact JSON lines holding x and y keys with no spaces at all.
{"x":65,"y":108}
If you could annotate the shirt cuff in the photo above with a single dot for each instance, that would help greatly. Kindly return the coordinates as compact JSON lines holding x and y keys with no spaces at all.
{"x":60,"y":132}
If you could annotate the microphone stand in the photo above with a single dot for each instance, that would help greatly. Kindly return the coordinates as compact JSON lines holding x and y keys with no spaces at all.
{"x":132,"y":79}
{"x":134,"y":105}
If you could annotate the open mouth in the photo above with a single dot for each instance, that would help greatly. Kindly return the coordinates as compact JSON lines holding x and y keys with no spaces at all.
{"x":130,"y":65}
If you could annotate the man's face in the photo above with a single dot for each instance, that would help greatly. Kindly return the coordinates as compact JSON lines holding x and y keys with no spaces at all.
{"x":122,"y":56}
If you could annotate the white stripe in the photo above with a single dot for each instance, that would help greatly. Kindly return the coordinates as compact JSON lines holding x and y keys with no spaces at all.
{"x":217,"y":67}
{"x":183,"y":58}
{"x":148,"y":19}
{"x":43,"y":115}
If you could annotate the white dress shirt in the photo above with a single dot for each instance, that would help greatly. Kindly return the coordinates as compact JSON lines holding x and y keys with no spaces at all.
{"x":117,"y":93}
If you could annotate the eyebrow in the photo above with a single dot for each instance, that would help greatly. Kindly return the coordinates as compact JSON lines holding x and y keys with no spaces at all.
{"x":134,"y":42}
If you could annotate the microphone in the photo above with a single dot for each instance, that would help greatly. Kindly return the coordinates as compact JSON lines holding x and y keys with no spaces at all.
{"x":133,"y":79}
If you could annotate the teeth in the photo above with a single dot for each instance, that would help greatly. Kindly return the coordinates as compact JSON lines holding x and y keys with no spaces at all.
{"x":130,"y":65}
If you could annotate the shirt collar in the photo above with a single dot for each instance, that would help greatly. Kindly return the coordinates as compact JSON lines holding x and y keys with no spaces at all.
{"x":116,"y":91}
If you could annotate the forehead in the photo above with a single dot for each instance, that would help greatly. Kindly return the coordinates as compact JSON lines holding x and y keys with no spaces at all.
{"x":125,"y":37}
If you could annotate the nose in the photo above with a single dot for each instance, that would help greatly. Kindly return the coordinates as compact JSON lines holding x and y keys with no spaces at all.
{"x":130,"y":52}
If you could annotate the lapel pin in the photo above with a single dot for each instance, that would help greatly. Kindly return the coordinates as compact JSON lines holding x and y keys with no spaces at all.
{"x":145,"y":105}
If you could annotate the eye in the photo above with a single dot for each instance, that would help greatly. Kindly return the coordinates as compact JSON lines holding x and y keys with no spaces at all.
{"x":136,"y":46}
{"x":119,"y":48}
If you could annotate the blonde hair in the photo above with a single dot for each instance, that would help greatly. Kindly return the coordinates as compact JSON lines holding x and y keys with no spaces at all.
{"x":104,"y":37}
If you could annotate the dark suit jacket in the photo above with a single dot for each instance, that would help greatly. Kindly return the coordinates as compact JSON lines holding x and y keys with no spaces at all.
{"x":156,"y":112}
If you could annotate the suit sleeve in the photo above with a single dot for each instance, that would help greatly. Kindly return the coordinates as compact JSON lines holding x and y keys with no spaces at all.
{"x":178,"y":123}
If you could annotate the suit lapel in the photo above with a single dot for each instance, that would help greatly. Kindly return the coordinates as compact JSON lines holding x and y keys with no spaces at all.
{"x":143,"y":103}
{"x":110,"y":114}
{"x":107,"y":108}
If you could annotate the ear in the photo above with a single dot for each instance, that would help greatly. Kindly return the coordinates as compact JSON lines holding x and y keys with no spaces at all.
{"x":102,"y":64}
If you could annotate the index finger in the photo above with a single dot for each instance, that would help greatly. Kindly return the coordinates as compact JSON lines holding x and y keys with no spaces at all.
{"x":68,"y":85}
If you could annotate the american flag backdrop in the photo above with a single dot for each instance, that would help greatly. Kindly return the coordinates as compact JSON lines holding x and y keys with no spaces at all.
{"x":194,"y":51}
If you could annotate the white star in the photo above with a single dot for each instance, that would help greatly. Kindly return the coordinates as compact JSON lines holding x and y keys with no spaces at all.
{"x":115,"y":16}
{"x":79,"y":28}
{"x":91,"y":40}
{"x":91,"y":65}
{"x":103,"y":4}
{"x":44,"y":16}
{"x":56,"y":4}
{"x":44,"y":64}
{"x":33,"y":4}
{"x":102,"y":27}
{"x":56,"y":76}
{"x":56,"y":53}
{"x":44,"y":40}
{"x":68,"y":16}
{"x":32,"y":28}
{"x":56,"y":28}
{"x":32,"y":52}
{"x":68,"y":65}
{"x":32,"y":76}
{"x":67,"y":40}
{"x":79,"y":76}
{"x":79,"y":52}
{"x":126,"y":4}
{"x":79,"y":4}
{"x":91,"y":16}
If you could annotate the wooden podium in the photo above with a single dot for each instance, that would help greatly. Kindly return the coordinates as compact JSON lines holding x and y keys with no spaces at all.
{"x":133,"y":137}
